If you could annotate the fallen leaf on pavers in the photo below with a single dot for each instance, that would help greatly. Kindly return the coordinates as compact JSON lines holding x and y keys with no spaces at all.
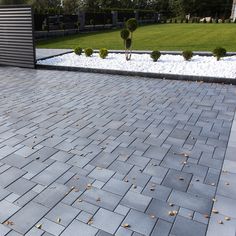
{"x":220,"y":222}
{"x":80,"y":200}
{"x":185,"y":162}
{"x":37,"y":158}
{"x":213,"y":184}
{"x":152,"y":189}
{"x":76,"y":190}
{"x":214,"y":200}
{"x":152,"y":216}
{"x":8,"y":222}
{"x":99,"y":168}
{"x":58,"y":220}
{"x":90,"y":221}
{"x":126,"y":225}
{"x":171,"y":204}
{"x":72,"y":188}
{"x":227,"y":183}
{"x":126,"y":180}
{"x":89,"y":186}
{"x":173,"y":213}
{"x":39,"y":226}
{"x":181,"y":178}
{"x":215,"y":211}
{"x":134,"y":186}
{"x":98,"y":199}
{"x":206,"y":216}
{"x":227,"y":218}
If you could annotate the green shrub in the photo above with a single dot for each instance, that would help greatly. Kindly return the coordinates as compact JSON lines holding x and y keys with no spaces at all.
{"x":176,"y":21}
{"x":132,"y":24}
{"x":127,"y":36}
{"x":103,"y":53}
{"x":124,"y":34}
{"x":155,"y":55}
{"x":187,"y":55}
{"x":88,"y":52}
{"x":219,"y":53}
{"x":186,"y":21}
{"x":78,"y":51}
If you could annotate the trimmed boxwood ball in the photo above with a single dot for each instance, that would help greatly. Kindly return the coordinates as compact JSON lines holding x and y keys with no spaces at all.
{"x":128,"y":43}
{"x":103,"y":53}
{"x":78,"y":51}
{"x":132,"y":24}
{"x":124,"y":34}
{"x":187,"y":55}
{"x":88,"y":52}
{"x":155,"y":55}
{"x":219,"y":53}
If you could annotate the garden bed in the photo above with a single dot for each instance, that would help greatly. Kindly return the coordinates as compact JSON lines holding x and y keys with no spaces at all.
{"x":199,"y":66}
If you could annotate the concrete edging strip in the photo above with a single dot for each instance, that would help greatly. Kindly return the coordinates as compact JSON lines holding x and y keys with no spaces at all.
{"x":141,"y":74}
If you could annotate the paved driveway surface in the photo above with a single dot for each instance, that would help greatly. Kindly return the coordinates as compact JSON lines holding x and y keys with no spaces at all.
{"x":85,"y":154}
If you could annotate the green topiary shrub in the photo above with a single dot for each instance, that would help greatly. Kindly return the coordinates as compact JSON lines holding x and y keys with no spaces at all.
{"x":187,"y":55}
{"x":124,"y":34}
{"x":132,"y":25}
{"x":127,"y":36}
{"x":155,"y":55}
{"x":103,"y":53}
{"x":78,"y":51}
{"x":219,"y":53}
{"x":88,"y":52}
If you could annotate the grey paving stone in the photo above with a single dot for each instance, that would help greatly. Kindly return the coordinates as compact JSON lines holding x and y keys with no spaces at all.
{"x":162,"y":228}
{"x":140,"y":222}
{"x":51,"y":173}
{"x":101,"y":174}
{"x":7,"y":209}
{"x":80,"y":228}
{"x":3,"y":230}
{"x":154,"y":169}
{"x":157,"y":153}
{"x":21,"y":186}
{"x":177,"y":180}
{"x":101,"y":198}
{"x":157,"y":191}
{"x":85,"y":206}
{"x":123,"y":231}
{"x":35,"y":232}
{"x":136,"y":201}
{"x":84,"y":217}
{"x":10,"y":175}
{"x":63,"y":212}
{"x":216,"y":229}
{"x":116,"y":186}
{"x":107,"y":220}
{"x":227,"y":185}
{"x":186,"y":227}
{"x":27,"y":217}
{"x":186,"y":200}
{"x":161,"y":210}
{"x":52,"y":195}
{"x":16,"y":160}
{"x":201,"y":189}
{"x":51,"y":227}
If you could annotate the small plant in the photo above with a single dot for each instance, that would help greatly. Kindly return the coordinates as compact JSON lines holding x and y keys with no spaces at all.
{"x":155,"y":55}
{"x":88,"y":52}
{"x":103,"y":53}
{"x":127,"y":36}
{"x":78,"y":51}
{"x":187,"y":55}
{"x":219,"y":53}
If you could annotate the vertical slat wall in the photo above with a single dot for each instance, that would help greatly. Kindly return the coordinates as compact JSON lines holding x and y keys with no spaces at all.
{"x":16,"y":36}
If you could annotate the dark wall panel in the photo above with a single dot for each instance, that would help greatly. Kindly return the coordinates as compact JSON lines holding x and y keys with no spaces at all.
{"x":17,"y":46}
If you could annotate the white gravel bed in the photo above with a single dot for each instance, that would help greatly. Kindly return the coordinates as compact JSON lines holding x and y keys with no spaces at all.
{"x":167,"y":64}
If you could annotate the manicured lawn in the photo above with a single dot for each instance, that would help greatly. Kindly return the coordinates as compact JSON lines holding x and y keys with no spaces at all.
{"x":197,"y":37}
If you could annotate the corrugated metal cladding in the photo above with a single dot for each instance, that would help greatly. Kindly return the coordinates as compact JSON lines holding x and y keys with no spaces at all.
{"x":17,"y":36}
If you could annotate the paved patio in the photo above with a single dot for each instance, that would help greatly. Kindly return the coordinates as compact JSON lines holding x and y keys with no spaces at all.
{"x":86,"y":154}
